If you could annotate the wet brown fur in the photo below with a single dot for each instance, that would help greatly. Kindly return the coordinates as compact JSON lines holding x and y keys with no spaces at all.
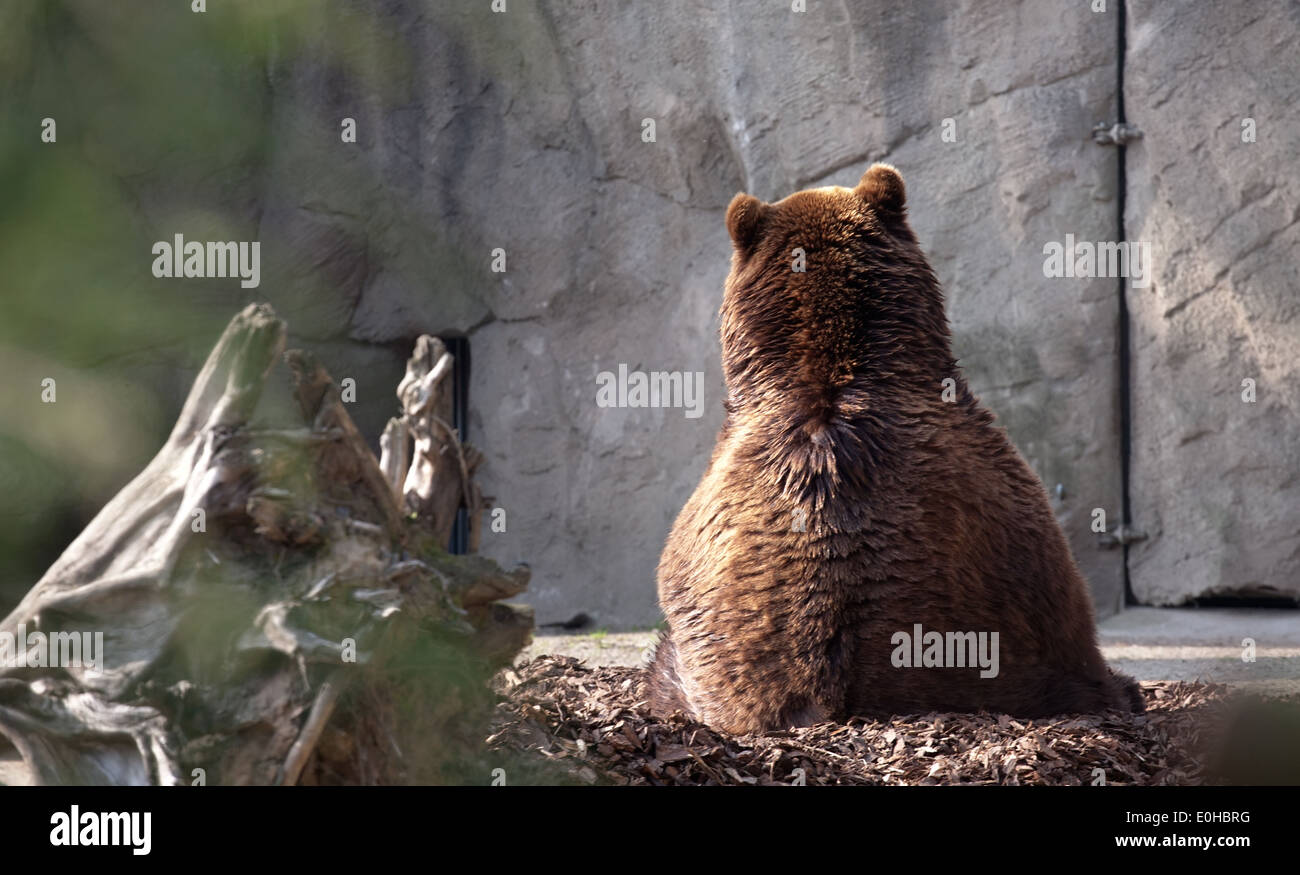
{"x":916,"y":510}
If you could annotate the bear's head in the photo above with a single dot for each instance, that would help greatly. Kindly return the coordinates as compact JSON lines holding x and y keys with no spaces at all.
{"x":829,"y":289}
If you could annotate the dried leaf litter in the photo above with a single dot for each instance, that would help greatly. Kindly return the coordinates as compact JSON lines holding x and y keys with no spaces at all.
{"x":592,"y":722}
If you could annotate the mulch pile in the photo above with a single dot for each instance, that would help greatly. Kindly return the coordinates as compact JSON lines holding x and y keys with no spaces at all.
{"x":592,"y":723}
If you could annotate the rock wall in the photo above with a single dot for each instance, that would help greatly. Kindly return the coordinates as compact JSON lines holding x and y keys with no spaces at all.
{"x":522,"y":135}
{"x":524,"y":131}
{"x":1216,"y":478}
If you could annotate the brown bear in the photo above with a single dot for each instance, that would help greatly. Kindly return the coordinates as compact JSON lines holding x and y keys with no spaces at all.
{"x":861,"y":544}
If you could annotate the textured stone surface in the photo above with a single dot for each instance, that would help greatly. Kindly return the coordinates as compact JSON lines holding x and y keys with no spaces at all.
{"x":1216,"y":480}
{"x":523,"y":131}
{"x":630,"y":270}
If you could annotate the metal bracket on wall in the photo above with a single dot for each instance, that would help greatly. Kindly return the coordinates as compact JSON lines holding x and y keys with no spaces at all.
{"x":1122,"y":535}
{"x":1114,"y":135}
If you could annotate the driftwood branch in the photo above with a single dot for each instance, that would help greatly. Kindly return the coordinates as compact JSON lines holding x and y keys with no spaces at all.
{"x":275,"y":604}
{"x":423,"y":459}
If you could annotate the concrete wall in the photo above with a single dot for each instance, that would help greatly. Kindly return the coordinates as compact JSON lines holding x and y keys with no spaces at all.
{"x":618,"y":249}
{"x":523,"y":131}
{"x":1216,"y":478}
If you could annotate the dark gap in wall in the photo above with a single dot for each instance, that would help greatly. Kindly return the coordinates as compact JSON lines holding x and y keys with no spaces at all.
{"x":1125,"y":395}
{"x":459,"y":349}
{"x":1288,"y":603}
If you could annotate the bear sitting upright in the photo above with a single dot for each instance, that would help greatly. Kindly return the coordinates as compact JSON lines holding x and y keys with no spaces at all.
{"x":857,"y":532}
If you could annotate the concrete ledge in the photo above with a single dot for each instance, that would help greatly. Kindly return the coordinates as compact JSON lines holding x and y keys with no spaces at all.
{"x":1151,"y":644}
{"x":1205,"y":644}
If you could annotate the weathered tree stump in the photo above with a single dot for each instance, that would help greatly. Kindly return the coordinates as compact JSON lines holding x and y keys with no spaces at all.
{"x":275,"y":604}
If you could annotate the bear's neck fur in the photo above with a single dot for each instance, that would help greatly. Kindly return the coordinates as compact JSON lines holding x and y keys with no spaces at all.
{"x":879,"y":330}
{"x":867,"y":360}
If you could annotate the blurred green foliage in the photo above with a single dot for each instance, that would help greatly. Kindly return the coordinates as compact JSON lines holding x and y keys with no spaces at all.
{"x":163,"y":123}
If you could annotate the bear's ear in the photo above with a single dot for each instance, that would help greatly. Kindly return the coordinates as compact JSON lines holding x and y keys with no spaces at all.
{"x":745,"y":221}
{"x":882,"y":187}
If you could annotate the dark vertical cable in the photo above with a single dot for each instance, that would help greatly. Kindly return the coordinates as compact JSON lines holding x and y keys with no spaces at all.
{"x":1125,"y":394}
